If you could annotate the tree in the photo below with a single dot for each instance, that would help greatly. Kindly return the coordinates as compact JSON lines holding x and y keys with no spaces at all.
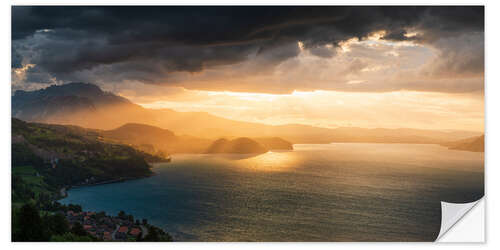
{"x":156,"y":234}
{"x":29,"y":225}
{"x":75,"y":208}
{"x":77,"y":229}
{"x":69,"y":237}
{"x":57,"y":223}
{"x":122,"y":214}
{"x":152,"y":235}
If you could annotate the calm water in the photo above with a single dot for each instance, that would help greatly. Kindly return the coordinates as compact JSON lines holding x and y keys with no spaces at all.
{"x":335,"y":192}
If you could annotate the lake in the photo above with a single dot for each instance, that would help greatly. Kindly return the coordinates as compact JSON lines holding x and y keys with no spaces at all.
{"x":327,"y":192}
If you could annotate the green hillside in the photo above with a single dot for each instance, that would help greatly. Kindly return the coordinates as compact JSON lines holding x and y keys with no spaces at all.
{"x":46,"y":158}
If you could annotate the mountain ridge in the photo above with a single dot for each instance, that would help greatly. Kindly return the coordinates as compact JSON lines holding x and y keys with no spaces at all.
{"x":155,"y":140}
{"x":473,"y":144}
{"x":104,"y":110}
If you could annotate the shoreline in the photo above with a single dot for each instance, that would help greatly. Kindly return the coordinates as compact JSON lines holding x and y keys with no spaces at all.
{"x":122,"y":179}
{"x":64,"y":190}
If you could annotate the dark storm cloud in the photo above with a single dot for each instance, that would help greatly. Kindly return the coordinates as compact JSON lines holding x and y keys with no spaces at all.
{"x":153,"y":42}
{"x":16,"y":61}
{"x":463,"y":55}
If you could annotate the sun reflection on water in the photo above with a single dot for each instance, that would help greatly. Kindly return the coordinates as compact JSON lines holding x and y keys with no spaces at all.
{"x":271,"y":161}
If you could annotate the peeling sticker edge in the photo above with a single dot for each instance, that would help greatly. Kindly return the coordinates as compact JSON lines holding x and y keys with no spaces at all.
{"x":452,"y":213}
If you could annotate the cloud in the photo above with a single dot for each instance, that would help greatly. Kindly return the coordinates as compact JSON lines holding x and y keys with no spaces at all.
{"x":16,"y":61}
{"x":462,"y":56}
{"x":179,"y":46}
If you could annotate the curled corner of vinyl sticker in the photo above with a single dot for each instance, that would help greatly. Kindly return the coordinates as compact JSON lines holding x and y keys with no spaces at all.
{"x":451,"y":214}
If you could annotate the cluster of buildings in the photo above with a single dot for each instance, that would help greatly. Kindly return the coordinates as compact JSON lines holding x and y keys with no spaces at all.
{"x":54,"y":161}
{"x":108,"y":228}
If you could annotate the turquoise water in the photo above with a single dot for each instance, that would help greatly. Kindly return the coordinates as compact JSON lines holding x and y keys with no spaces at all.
{"x":334,"y":192}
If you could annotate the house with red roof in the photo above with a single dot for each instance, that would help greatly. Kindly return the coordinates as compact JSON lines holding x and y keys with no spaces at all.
{"x":123,"y":229}
{"x":106,"y":236}
{"x":135,"y":232}
{"x":121,"y":233}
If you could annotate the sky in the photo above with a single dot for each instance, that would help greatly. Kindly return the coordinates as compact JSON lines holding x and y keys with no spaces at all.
{"x":328,"y":66}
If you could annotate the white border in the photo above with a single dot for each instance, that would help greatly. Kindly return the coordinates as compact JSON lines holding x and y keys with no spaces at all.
{"x":492,"y":90}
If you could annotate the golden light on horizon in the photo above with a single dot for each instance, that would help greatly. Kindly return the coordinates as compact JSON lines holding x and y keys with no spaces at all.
{"x":330,"y":109}
{"x":369,"y":83}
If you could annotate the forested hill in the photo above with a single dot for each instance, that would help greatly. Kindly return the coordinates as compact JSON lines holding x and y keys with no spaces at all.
{"x":49,"y":157}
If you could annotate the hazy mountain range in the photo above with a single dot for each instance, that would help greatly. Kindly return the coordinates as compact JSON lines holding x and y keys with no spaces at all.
{"x":474,"y":144}
{"x":154,"y":140}
{"x":86,"y":105}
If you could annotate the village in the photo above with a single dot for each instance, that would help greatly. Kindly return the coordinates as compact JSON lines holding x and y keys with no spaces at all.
{"x":109,"y":228}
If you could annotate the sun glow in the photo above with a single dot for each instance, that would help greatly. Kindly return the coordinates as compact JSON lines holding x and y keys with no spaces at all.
{"x":21,"y":71}
{"x":272,"y":161}
{"x":243,"y":95}
{"x":337,"y":109}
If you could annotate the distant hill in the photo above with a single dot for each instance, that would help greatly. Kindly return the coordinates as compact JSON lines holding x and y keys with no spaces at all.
{"x":152,"y":139}
{"x":274,"y":143}
{"x":474,"y":144}
{"x":61,"y":100}
{"x":135,"y":133}
{"x":81,"y":104}
{"x":83,"y":90}
{"x":240,"y":145}
{"x":88,"y":106}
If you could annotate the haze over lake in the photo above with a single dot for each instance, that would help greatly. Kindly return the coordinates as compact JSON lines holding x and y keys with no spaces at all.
{"x":328,"y":192}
